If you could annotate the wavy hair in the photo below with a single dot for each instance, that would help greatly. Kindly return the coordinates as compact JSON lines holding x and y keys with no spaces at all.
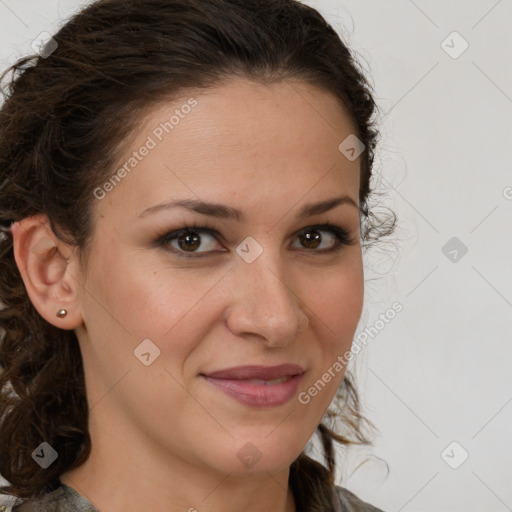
{"x":62,"y":123}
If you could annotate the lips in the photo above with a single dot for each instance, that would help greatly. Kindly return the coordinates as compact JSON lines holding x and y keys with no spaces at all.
{"x":258,"y":386}
{"x":267,"y":373}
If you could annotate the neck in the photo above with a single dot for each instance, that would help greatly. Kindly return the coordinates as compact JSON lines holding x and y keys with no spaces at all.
{"x":122,"y":473}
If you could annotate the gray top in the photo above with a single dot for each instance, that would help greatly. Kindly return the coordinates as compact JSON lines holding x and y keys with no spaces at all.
{"x":66,"y":499}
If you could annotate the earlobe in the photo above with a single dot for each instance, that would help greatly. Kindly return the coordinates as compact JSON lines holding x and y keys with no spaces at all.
{"x":44,"y":262}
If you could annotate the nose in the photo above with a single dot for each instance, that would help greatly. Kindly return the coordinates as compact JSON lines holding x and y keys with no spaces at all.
{"x":265,"y":303}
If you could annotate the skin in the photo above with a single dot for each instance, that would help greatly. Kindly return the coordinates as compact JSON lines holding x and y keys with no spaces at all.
{"x":161,"y":434}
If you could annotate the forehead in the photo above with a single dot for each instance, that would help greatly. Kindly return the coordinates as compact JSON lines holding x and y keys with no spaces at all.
{"x":241,"y":139}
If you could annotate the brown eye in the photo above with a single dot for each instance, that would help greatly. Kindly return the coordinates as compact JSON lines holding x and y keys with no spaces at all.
{"x":197,"y":242}
{"x":189,"y":241}
{"x":311,"y":239}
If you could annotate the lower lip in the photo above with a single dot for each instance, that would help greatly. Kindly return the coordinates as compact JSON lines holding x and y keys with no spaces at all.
{"x":258,"y":395}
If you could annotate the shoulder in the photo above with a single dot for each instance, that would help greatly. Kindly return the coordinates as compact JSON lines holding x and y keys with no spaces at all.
{"x":349,"y":502}
{"x":51,"y":502}
{"x":62,"y":499}
{"x":8,"y":502}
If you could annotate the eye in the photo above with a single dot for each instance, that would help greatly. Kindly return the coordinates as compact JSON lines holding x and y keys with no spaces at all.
{"x":198,"y":241}
{"x":312,"y":238}
{"x":190,"y":240}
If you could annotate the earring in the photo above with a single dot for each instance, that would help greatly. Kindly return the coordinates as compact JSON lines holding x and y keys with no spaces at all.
{"x":62,"y":313}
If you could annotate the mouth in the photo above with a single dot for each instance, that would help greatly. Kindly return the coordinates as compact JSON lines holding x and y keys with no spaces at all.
{"x":258,"y":386}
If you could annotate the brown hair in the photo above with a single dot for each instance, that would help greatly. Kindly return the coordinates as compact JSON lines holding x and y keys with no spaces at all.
{"x":61,"y":125}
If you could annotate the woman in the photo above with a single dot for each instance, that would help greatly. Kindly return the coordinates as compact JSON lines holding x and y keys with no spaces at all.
{"x":185,"y":191}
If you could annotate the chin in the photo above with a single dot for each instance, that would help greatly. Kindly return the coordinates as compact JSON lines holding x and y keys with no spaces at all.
{"x":249,"y":455}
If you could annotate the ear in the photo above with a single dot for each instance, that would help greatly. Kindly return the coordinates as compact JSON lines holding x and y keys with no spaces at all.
{"x":45,"y":263}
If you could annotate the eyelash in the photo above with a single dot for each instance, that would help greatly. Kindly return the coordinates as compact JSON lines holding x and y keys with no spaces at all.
{"x":342,"y":238}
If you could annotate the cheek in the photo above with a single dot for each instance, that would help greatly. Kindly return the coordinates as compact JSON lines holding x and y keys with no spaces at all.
{"x":138,"y":300}
{"x":337,"y":306}
{"x":335,"y":302}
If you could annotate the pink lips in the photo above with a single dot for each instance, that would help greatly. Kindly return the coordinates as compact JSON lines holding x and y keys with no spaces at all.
{"x":253,"y":385}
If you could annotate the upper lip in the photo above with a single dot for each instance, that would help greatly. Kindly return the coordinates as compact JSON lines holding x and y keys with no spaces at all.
{"x":257,"y":372}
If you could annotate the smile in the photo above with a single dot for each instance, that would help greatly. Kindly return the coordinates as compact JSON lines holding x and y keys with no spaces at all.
{"x":258,"y":392}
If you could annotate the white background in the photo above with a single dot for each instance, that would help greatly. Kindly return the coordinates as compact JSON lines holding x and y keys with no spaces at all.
{"x":440,"y":370}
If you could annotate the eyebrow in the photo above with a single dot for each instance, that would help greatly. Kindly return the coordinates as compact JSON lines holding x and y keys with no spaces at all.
{"x":227,"y":212}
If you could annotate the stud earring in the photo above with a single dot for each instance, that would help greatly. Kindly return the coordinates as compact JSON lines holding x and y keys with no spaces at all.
{"x":62,"y":313}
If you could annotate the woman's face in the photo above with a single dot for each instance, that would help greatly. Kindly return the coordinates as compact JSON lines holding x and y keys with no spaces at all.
{"x":161,"y":314}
